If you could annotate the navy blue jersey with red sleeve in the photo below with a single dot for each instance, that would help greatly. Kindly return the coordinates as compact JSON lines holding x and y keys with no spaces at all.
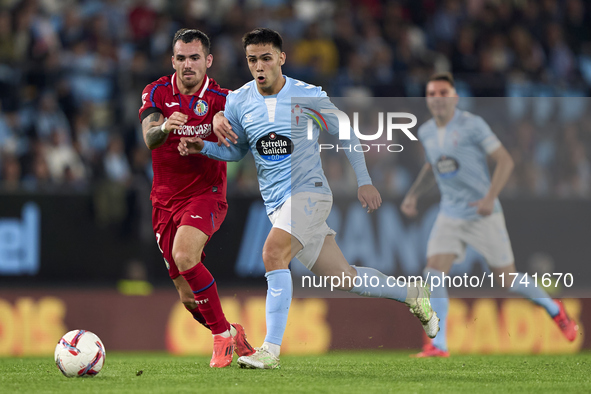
{"x":179,"y":177}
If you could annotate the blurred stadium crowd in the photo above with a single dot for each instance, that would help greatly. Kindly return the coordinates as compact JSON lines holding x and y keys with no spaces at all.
{"x":72,"y":72}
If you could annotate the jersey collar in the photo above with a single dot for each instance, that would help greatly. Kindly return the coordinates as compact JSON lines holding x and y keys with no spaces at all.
{"x":282,"y":92}
{"x":201,"y":91}
{"x":454,"y":118}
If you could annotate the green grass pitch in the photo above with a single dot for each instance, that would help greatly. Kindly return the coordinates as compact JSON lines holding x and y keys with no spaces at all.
{"x":338,"y":372}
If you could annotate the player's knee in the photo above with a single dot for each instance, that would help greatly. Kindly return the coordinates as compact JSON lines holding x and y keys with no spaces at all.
{"x":432,"y":264}
{"x":441,"y":263}
{"x":185,"y":261}
{"x":274,"y":258}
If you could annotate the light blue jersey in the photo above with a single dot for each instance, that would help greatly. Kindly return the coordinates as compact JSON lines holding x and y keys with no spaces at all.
{"x":274,"y":129}
{"x":458,"y":155}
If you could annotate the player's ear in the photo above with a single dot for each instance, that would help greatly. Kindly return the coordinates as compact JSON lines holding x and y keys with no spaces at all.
{"x":209,"y":60}
{"x":282,"y":58}
{"x":172,"y":62}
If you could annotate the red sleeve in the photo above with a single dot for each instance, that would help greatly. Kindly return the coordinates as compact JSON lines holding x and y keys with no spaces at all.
{"x":151,"y":100}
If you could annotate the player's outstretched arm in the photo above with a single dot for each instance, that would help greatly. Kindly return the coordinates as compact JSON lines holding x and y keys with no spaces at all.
{"x":369,"y":197}
{"x":193,"y":145}
{"x":503,"y":170}
{"x":424,"y":182}
{"x":156,"y":129}
{"x":223,"y":130}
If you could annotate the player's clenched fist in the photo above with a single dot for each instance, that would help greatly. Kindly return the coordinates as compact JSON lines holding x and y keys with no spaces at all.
{"x":485,"y":206}
{"x":409,"y":206}
{"x":369,"y":197}
{"x":190,"y":145}
{"x":175,"y":122}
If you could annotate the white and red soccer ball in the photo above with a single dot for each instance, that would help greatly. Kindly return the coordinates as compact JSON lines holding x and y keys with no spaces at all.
{"x":80,"y":353}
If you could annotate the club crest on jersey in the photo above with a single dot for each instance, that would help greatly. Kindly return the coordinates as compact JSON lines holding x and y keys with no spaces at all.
{"x":298,"y":112}
{"x":274,"y":147}
{"x":201,"y":107}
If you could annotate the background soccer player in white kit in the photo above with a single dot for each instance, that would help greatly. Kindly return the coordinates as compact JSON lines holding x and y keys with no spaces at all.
{"x":295,"y":190}
{"x":457,"y":144}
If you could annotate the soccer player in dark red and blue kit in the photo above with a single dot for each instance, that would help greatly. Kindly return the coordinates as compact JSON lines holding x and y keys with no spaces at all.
{"x":189,"y":193}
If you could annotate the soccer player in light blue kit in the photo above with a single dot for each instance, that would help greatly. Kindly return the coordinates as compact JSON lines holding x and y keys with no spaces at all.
{"x":457,"y":144}
{"x":258,"y":117}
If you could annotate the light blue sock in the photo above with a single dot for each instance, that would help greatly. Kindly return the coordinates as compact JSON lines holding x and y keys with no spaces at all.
{"x":279,"y":294}
{"x":440,"y":304}
{"x":536,"y":294}
{"x":380,"y":288}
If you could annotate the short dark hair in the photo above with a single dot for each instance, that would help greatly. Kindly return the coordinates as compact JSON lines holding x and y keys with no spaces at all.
{"x":443,"y":76}
{"x":263,"y":36}
{"x":190,"y":35}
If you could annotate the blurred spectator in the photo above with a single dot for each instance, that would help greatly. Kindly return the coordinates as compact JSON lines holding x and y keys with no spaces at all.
{"x":465,"y":58}
{"x":315,"y":55}
{"x":345,"y":38}
{"x":496,"y":56}
{"x":446,"y":21}
{"x":49,"y":118}
{"x":561,"y":59}
{"x":11,"y":173}
{"x":63,"y":161}
{"x":8,"y":142}
{"x":578,"y":31}
{"x":142,"y":21}
{"x":7,"y":39}
{"x":529,"y":55}
{"x":115,"y":162}
{"x":71,"y":30}
{"x":353,"y":76}
{"x":39,"y":179}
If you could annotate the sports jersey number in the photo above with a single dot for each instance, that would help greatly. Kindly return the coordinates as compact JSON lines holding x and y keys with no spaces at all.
{"x":158,"y":242}
{"x":161,"y":251}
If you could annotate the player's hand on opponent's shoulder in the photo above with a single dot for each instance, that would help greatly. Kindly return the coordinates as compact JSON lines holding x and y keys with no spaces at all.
{"x":369,"y":197}
{"x":409,"y":206}
{"x":222,"y":129}
{"x":176,"y":121}
{"x":484,"y":206}
{"x":190,"y":145}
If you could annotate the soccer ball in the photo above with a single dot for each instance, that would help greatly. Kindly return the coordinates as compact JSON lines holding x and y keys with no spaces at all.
{"x":80,"y":353}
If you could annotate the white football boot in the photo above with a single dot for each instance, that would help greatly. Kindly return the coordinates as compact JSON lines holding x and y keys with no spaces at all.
{"x":418,"y":300}
{"x":261,"y":359}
